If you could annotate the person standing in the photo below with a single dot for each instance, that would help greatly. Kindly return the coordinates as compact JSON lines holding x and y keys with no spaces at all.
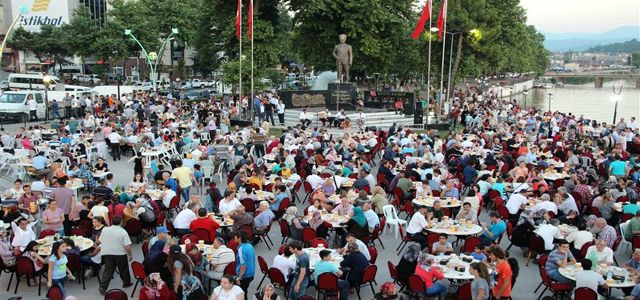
{"x":281,"y":108}
{"x":33,"y":108}
{"x":245,"y":261}
{"x":185,"y":178}
{"x":65,"y":198}
{"x":66,"y":101}
{"x":502,"y":287}
{"x":114,"y":144}
{"x":116,"y":252}
{"x":58,"y":271}
{"x":300,"y":276}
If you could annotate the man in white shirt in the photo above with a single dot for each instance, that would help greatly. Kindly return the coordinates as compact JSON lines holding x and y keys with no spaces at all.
{"x":516,"y":202}
{"x":546,"y":204}
{"x":579,"y":238}
{"x":548,"y":232}
{"x":372,"y":217}
{"x":603,"y":253}
{"x":314,"y":180}
{"x":417,"y":224}
{"x":589,"y":278}
{"x":283,"y":262}
{"x":33,"y":108}
{"x":183,"y":220}
{"x":305,"y":118}
{"x":22,"y":232}
{"x":220,"y":258}
{"x":362,"y":247}
{"x":114,"y":140}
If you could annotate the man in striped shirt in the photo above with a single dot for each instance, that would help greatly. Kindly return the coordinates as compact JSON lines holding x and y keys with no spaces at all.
{"x":220,"y":258}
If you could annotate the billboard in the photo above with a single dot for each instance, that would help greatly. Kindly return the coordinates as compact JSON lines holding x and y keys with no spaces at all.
{"x":42,"y":12}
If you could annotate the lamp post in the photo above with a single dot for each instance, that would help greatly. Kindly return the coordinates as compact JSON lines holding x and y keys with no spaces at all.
{"x":616,"y":98}
{"x":152,"y":57}
{"x":525,"y":93}
{"x":550,"y":96}
{"x":47,"y":81}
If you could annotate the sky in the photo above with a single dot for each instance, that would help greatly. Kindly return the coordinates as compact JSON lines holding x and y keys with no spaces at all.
{"x":594,"y":16}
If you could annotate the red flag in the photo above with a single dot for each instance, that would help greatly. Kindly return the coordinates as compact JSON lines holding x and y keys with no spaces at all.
{"x":426,"y":15}
{"x":238,"y":18}
{"x":442,"y":18}
{"x":250,"y":23}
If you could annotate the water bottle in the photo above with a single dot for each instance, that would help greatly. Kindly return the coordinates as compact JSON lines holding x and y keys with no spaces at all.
{"x":610,"y":274}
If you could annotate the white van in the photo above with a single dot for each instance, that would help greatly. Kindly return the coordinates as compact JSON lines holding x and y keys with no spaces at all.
{"x":31,"y":81}
{"x":108,"y":90}
{"x":13,"y":104}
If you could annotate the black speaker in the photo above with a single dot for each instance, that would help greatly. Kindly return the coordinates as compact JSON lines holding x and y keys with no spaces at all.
{"x":418,"y":117}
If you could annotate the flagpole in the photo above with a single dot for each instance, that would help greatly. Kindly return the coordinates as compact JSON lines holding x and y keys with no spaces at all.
{"x":444,"y":42}
{"x":240,"y":58}
{"x":252,"y":90}
{"x":429,"y":64}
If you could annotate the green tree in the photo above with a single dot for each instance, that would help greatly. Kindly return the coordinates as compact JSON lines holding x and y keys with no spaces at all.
{"x":47,"y":44}
{"x":81,"y":32}
{"x":634,"y":59}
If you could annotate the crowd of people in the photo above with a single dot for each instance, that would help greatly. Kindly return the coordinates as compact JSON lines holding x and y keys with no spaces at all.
{"x":515,"y":171}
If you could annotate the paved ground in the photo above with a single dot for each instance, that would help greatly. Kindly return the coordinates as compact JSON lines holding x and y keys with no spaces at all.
{"x":526,"y":283}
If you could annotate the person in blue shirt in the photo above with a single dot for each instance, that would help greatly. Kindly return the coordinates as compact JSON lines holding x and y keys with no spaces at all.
{"x":245,"y":261}
{"x":197,"y":173}
{"x":499,"y":186}
{"x":618,"y":167}
{"x":491,"y":233}
{"x":451,"y":191}
{"x":39,"y":161}
{"x":325,"y":265}
{"x":478,"y":253}
{"x":470,"y":174}
{"x":280,"y":195}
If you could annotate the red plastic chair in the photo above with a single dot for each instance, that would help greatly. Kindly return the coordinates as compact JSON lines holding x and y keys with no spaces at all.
{"x":509,"y":234}
{"x":308,"y":190}
{"x":635,"y":242}
{"x":498,"y":202}
{"x":584,"y":249}
{"x":417,"y":286}
{"x":139,"y":274}
{"x":202,"y":234}
{"x":174,"y":204}
{"x":596,"y":211}
{"x":248,"y":229}
{"x":278,"y":280}
{"x":464,"y":292}
{"x":78,"y":231}
{"x":46,"y":232}
{"x":316,"y":242}
{"x":555,"y":287}
{"x":115,"y":294}
{"x":368,"y":278}
{"x":308,"y":234}
{"x":25,"y":266}
{"x":470,"y":244}
{"x":233,"y":245}
{"x":145,"y":247}
{"x":284,"y":230}
{"x":405,"y":239}
{"x":230,"y":269}
{"x":249,"y":205}
{"x":192,"y":238}
{"x":327,"y":283}
{"x":393,"y":272}
{"x":373,"y":253}
{"x":536,"y":245}
{"x":432,"y":238}
{"x":134,"y":228}
{"x":585,"y":293}
{"x":54,"y":293}
{"x":264,"y":268}
{"x":282,"y":248}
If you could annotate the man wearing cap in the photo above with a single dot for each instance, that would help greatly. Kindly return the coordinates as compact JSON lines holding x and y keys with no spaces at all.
{"x":162,"y":234}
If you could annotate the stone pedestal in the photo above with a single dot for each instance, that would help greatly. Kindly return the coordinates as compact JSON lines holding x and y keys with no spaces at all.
{"x":342,"y":95}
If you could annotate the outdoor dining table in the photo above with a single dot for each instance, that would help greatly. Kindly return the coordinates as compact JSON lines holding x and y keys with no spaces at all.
{"x":452,"y":266}
{"x":44,"y":249}
{"x":314,"y":256}
{"x":553,"y":176}
{"x":456,"y":228}
{"x":446,"y":202}
{"x":626,"y":281}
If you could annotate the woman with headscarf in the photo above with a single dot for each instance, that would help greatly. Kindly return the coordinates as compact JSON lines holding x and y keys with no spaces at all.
{"x":187,"y":286}
{"x":429,"y":275}
{"x":356,"y":262}
{"x":318,"y":224}
{"x":154,"y":288}
{"x":408,"y":262}
{"x":155,"y":260}
{"x":296,"y":224}
{"x":357,"y":224}
{"x":266,"y":293}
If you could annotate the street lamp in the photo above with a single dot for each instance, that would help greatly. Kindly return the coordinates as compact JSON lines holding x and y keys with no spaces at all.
{"x":550,"y":96}
{"x":510,"y":93}
{"x":152,"y":57}
{"x":616,"y":98}
{"x":47,"y":81}
{"x":525,"y":93}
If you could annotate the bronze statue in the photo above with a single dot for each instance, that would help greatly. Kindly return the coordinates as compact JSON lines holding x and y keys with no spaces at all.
{"x":344,"y":58}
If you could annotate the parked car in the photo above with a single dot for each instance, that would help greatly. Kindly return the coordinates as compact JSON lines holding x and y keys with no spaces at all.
{"x":198,"y":95}
{"x":194,"y":84}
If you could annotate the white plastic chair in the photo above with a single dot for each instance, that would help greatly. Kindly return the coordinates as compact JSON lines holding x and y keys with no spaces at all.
{"x":207,"y":172}
{"x":391,"y":215}
{"x":219,"y":172}
{"x":623,"y":228}
{"x":204,"y":136}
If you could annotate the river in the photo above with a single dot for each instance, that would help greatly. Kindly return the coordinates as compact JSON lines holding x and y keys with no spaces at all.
{"x":595,"y":104}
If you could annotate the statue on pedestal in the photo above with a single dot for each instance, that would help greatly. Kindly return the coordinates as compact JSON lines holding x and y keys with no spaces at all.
{"x":344,"y":58}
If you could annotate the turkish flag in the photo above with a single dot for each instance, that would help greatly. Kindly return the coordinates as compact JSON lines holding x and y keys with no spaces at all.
{"x":442,"y":18}
{"x":238,"y":18}
{"x":250,"y":23}
{"x":426,"y":15}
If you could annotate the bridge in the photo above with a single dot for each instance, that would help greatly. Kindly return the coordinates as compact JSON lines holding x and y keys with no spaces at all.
{"x":599,"y":76}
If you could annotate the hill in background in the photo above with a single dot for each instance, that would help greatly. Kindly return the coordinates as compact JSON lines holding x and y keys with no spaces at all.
{"x":628,"y":46}
{"x":560,"y":42}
